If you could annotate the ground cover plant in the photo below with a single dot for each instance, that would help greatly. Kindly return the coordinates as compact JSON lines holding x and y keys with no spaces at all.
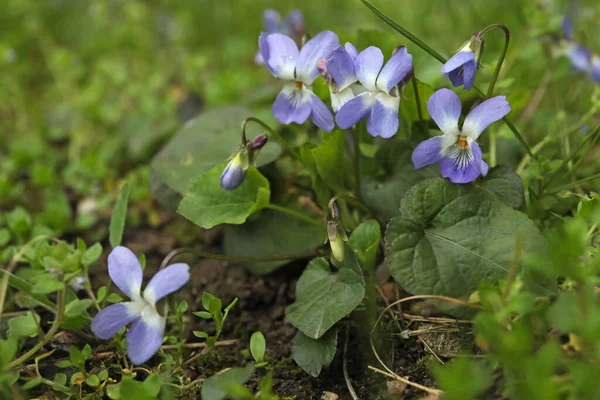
{"x":259,"y":200}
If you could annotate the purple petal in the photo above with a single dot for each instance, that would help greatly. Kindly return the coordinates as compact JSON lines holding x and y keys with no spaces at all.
{"x":460,"y":58}
{"x":395,"y":70}
{"x":125,"y":271}
{"x":462,"y":169}
{"x":567,"y":27}
{"x":166,"y":281}
{"x":320,"y":46}
{"x":351,"y":50}
{"x":110,"y":320}
{"x":320,"y":114}
{"x":367,"y":66}
{"x":444,"y":107}
{"x":483,"y":115}
{"x":280,"y":54}
{"x":469,"y":71}
{"x":292,"y":104}
{"x":579,"y":56}
{"x":271,"y":21}
{"x":484,"y":168}
{"x":354,"y":110}
{"x":427,"y":152}
{"x":456,"y":77}
{"x":595,"y":70}
{"x":145,"y":337}
{"x":384,"y":116}
{"x":233,"y":175}
{"x":341,"y":68}
{"x":294,"y":23}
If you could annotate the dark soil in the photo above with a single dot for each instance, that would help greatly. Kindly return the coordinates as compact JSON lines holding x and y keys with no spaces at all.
{"x":261,"y":307}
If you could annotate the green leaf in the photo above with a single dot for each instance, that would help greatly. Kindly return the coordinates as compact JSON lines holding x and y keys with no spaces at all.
{"x":77,"y":307}
{"x":114,"y":298}
{"x":4,"y":237}
{"x":92,"y":254}
{"x":92,"y":380}
{"x":384,"y":194}
{"x":119,"y":214}
{"x":201,"y":335}
{"x":46,"y":283}
{"x":314,"y":354}
{"x":201,"y":144}
{"x":505,"y":184}
{"x":329,"y":158}
{"x":60,"y":378}
{"x":8,"y":350}
{"x":203,"y":314}
{"x":152,"y":385}
{"x":463,"y":378}
{"x":32,"y":383}
{"x":214,"y":388}
{"x":25,"y":287}
{"x":258,"y":346}
{"x":24,"y":325}
{"x":364,"y":241}
{"x":273,"y":233}
{"x":207,"y":204}
{"x":324,"y":297}
{"x":76,"y":356}
{"x":450,"y":237}
{"x":19,"y":222}
{"x":206,"y":299}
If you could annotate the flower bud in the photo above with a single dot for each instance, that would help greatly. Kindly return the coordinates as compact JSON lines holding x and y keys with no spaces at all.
{"x":234,"y":173}
{"x":336,"y":235}
{"x":258,"y":142}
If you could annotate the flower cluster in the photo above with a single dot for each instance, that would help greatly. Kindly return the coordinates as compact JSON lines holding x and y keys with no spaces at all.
{"x":148,"y":326}
{"x":582,"y":59}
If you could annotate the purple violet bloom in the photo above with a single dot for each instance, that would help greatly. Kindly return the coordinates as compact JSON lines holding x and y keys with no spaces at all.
{"x":338,"y":71}
{"x":148,"y":327}
{"x":579,"y":55}
{"x":567,"y":27}
{"x":456,"y":150}
{"x":296,"y":102}
{"x":462,"y":67}
{"x":380,"y":101}
{"x":595,"y":69}
{"x":292,"y":26}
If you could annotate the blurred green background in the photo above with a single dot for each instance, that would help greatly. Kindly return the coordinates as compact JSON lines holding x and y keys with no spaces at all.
{"x":90,"y":89}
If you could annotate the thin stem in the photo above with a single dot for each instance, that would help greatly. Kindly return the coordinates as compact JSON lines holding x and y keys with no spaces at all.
{"x":356,"y":160}
{"x":492,"y":152}
{"x":345,"y":365}
{"x":535,"y":150}
{"x":58,"y":320}
{"x":575,"y":183}
{"x":296,"y":214}
{"x":502,"y":55}
{"x":417,"y":98}
{"x":238,"y":259}
{"x":274,"y":133}
{"x":443,"y":60}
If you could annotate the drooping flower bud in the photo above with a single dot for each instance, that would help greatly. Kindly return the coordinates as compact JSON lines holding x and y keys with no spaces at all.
{"x":336,"y":234}
{"x":234,"y":173}
{"x":258,"y":142}
{"x":462,"y":67}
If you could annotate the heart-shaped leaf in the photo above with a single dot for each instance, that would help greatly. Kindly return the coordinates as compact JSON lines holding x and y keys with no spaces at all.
{"x":505,"y":184}
{"x":314,"y":354}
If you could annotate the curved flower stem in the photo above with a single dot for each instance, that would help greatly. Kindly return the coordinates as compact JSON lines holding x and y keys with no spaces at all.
{"x":490,"y":90}
{"x":239,"y":259}
{"x":296,"y":214}
{"x":273,"y":133}
{"x":417,"y":97}
{"x":58,"y":320}
{"x":356,"y":161}
{"x":443,"y":60}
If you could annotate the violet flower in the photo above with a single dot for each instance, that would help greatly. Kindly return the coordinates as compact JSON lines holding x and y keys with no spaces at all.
{"x":462,"y":67}
{"x":296,"y":102}
{"x":147,"y":330}
{"x":292,"y":26}
{"x":595,"y":69}
{"x":338,"y":72}
{"x":456,"y":150}
{"x":380,"y":101}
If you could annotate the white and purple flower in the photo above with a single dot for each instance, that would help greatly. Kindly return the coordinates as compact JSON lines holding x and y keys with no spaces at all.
{"x":292,"y":26}
{"x":462,"y":67}
{"x":595,"y":69}
{"x":338,"y":71}
{"x":147,"y":330}
{"x":296,"y":102}
{"x":456,"y":150}
{"x":380,"y":100}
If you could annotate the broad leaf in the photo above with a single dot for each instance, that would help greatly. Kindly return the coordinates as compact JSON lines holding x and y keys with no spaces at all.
{"x":451,"y":237}
{"x":207,"y":204}
{"x":505,"y":184}
{"x":364,"y":241}
{"x":324,"y":297}
{"x":202,"y":143}
{"x":314,"y":354}
{"x":329,"y":158}
{"x":272,"y":233}
{"x":24,"y":325}
{"x":215,"y":387}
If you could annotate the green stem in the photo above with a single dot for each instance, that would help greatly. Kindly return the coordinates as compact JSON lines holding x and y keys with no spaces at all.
{"x":417,"y":98}
{"x":58,"y":320}
{"x":502,"y":55}
{"x":535,"y":150}
{"x":492,"y":152}
{"x":356,"y":160}
{"x":575,"y":183}
{"x":273,"y":133}
{"x":296,"y":214}
{"x":443,"y":60}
